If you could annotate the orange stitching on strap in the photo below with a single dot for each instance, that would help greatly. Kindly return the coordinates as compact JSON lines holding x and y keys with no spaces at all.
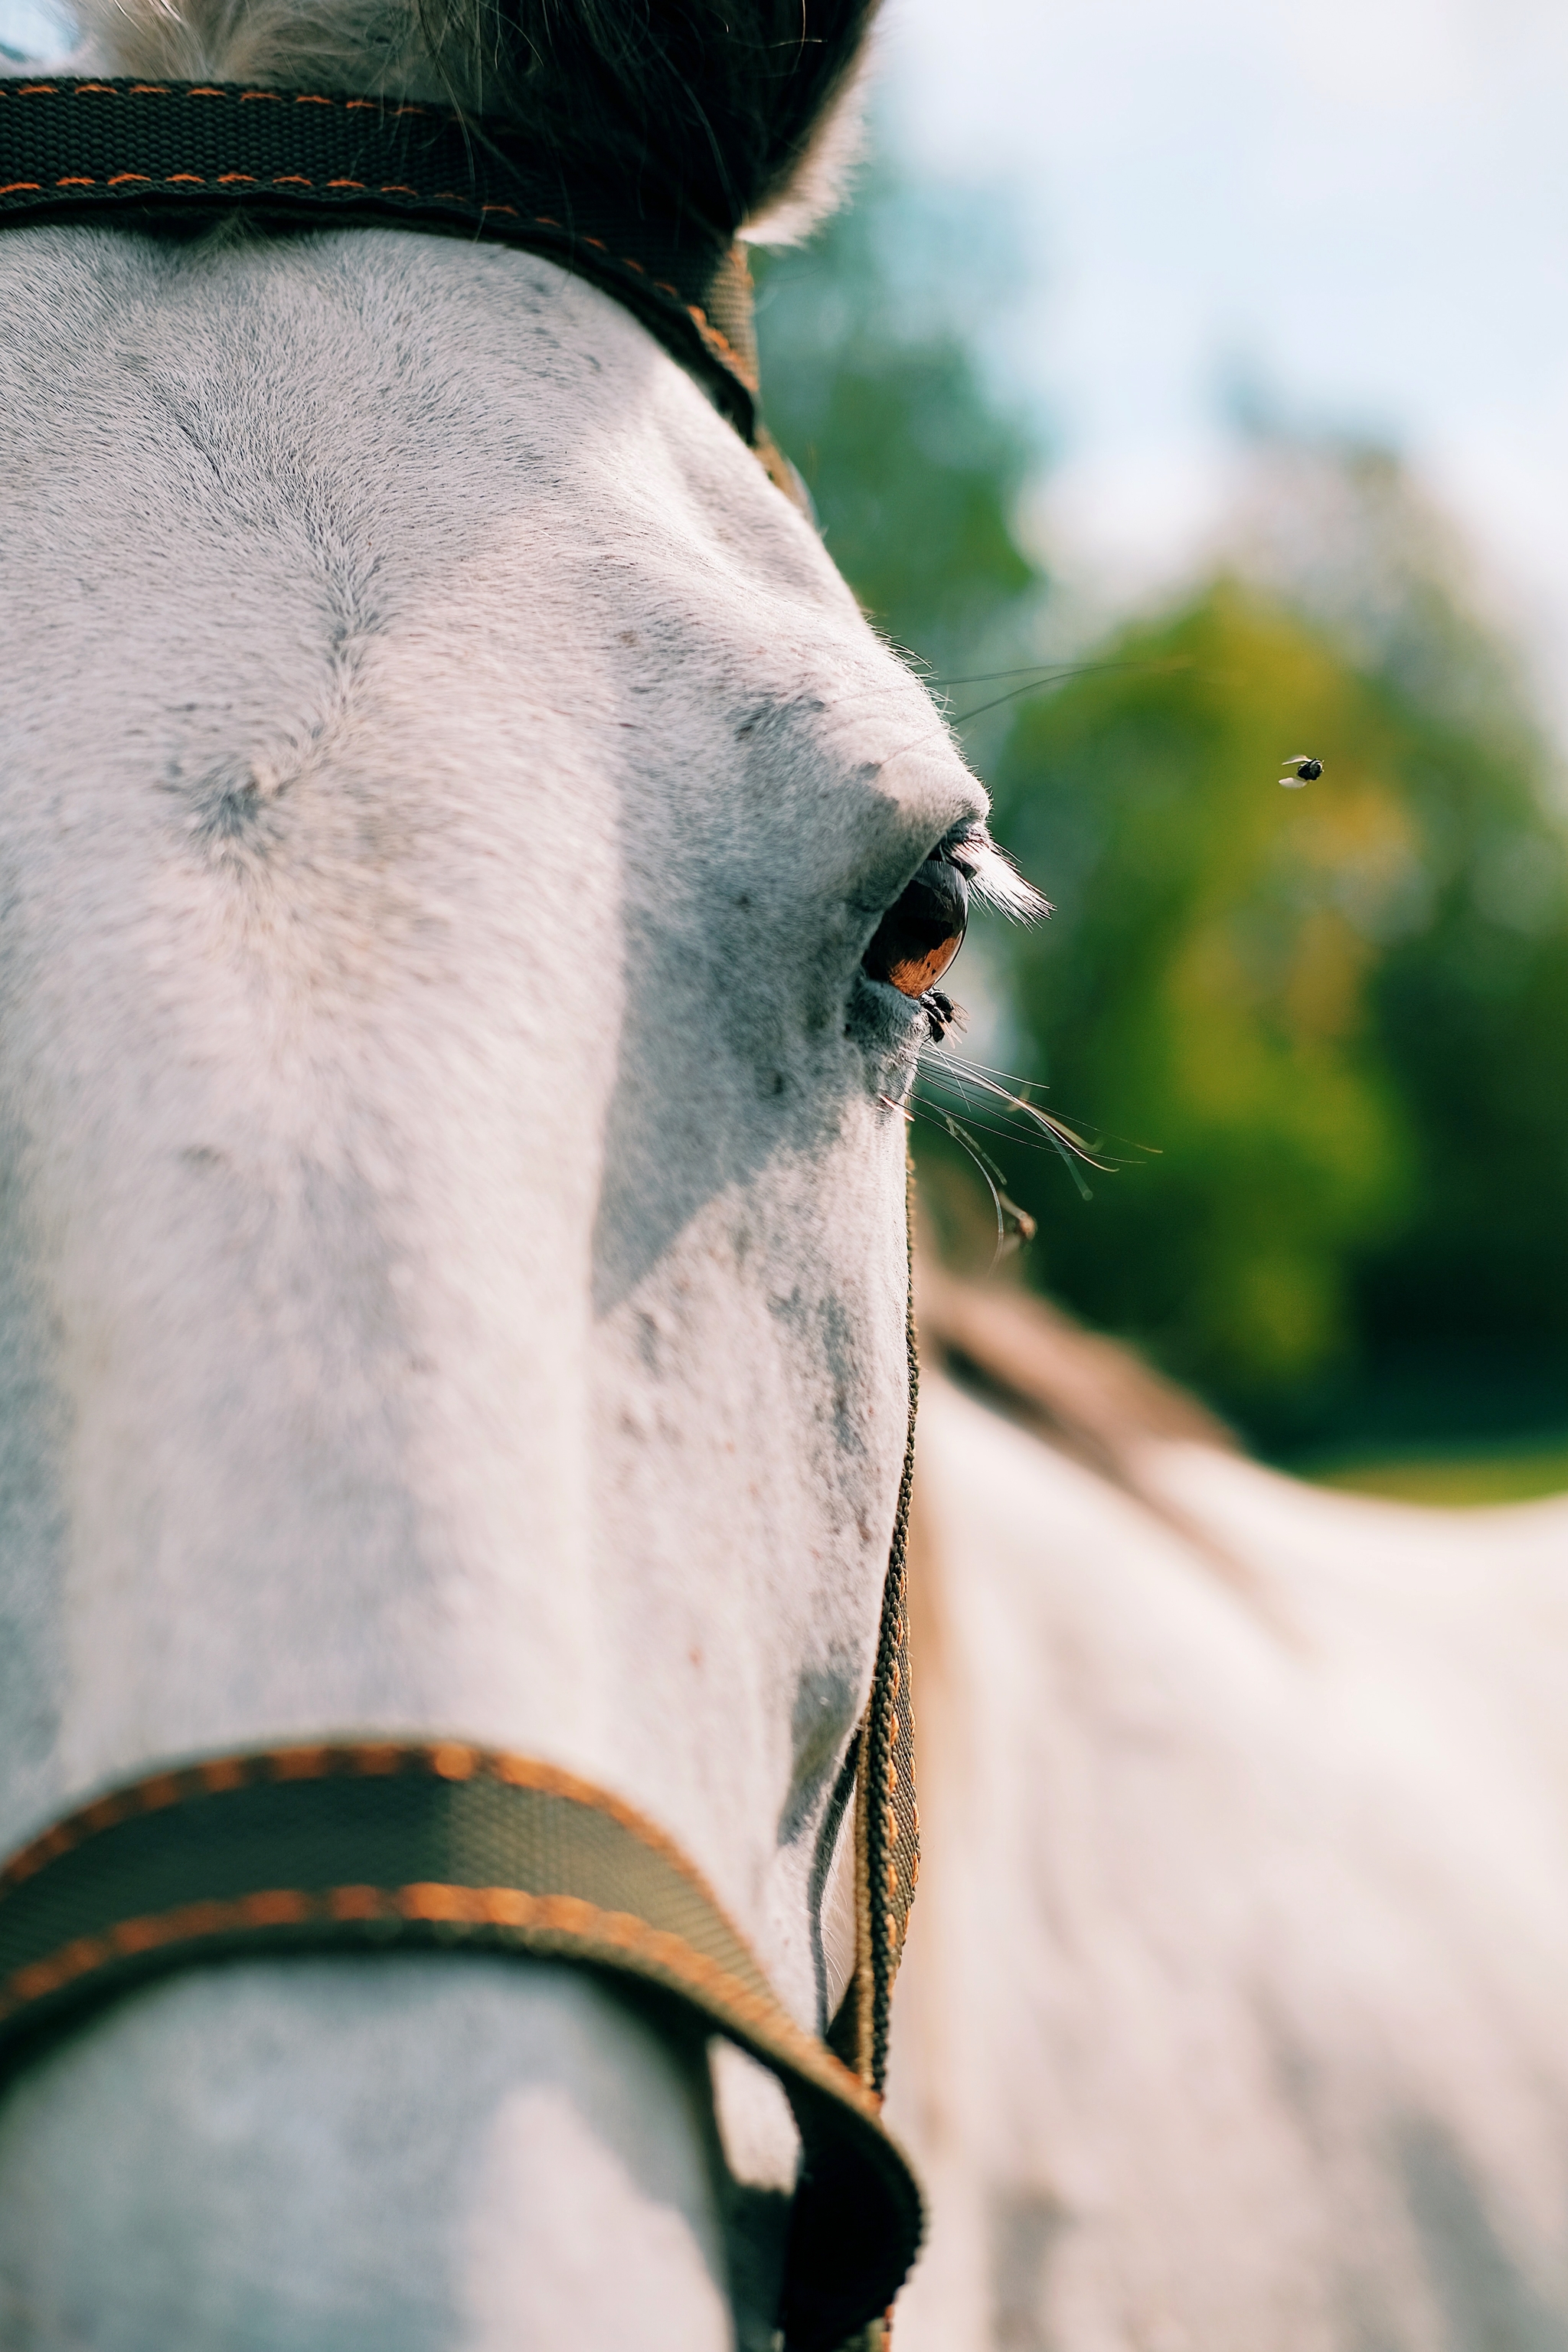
{"x":373,"y":103}
{"x":719,"y":343}
{"x":44,"y":1976}
{"x":277,"y":1907}
{"x":356,"y":1903}
{"x":300,"y":100}
{"x":318,"y":1761}
{"x":715,"y":340}
{"x":145,"y":1934}
{"x":38,"y":89}
{"x":275,"y":95}
{"x":148,"y":89}
{"x":106,"y":87}
{"x":204,"y":89}
{"x":503,"y":1906}
{"x":500,"y":1906}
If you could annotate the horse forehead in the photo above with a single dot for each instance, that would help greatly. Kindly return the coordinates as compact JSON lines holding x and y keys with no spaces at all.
{"x":723,"y":599}
{"x":586,"y":516}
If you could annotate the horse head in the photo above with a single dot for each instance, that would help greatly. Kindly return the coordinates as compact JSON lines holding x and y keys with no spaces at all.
{"x":453,"y":1283}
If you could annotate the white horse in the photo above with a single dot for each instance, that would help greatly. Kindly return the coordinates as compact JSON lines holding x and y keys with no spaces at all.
{"x":452,"y":1289}
{"x":453,"y":1271}
{"x":1234,"y":2014}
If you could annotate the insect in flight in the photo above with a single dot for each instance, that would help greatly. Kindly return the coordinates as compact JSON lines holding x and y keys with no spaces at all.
{"x":1308,"y":771}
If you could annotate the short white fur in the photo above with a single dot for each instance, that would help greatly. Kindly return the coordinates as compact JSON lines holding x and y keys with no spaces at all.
{"x":452,"y":1276}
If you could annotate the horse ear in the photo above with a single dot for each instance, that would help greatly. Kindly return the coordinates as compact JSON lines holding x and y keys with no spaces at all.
{"x":816,"y":181}
{"x":731,"y":111}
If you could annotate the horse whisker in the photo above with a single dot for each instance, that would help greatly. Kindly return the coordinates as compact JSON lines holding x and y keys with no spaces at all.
{"x":1023,"y":1223}
{"x":1017,"y":1093}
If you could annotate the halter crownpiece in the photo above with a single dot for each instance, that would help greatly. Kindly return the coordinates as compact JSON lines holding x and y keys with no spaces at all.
{"x":138,"y":151}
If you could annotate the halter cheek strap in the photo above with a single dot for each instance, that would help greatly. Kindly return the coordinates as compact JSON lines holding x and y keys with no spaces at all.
{"x":887,"y":1818}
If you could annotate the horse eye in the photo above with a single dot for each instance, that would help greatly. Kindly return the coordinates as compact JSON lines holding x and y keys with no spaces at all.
{"x":917,"y":938}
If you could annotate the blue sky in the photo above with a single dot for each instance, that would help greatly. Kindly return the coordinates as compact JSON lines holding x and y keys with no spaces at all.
{"x":1361,"y":204}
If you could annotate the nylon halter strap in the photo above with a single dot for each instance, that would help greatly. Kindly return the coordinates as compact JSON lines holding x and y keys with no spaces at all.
{"x":373,"y":1847}
{"x":73,"y":149}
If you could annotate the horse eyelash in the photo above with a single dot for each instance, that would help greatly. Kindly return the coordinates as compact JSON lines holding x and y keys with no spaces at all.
{"x":993,"y":876}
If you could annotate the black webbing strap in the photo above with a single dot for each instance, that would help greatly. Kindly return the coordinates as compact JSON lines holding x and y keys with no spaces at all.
{"x":101,"y":149}
{"x":390,"y":1844}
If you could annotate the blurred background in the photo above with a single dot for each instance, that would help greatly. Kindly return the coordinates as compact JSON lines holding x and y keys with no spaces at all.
{"x":1183,"y":393}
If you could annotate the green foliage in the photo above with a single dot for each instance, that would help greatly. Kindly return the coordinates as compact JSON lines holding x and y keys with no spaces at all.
{"x":1457,"y":1482}
{"x":871,"y":386}
{"x":1205,"y":989}
{"x":1335,"y":1014}
{"x":1470,"y":1007}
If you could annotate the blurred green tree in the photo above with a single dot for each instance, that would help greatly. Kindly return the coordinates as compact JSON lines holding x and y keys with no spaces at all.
{"x":872,"y":385}
{"x":1337,"y":1014}
{"x":1463,"y":1307}
{"x":1204,"y":990}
